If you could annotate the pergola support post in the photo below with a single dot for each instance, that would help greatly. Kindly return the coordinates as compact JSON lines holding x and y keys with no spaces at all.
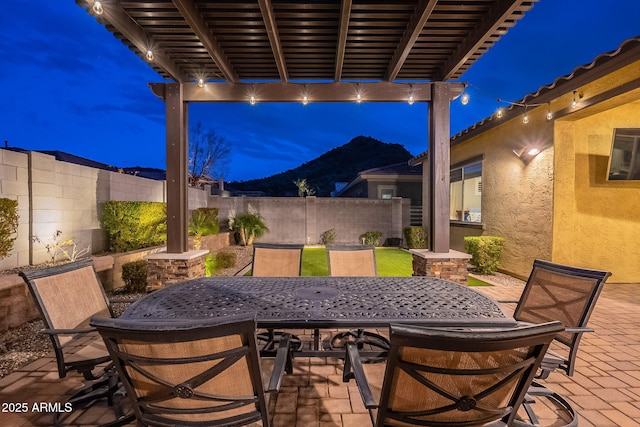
{"x":436,"y":180}
{"x":177,"y":168}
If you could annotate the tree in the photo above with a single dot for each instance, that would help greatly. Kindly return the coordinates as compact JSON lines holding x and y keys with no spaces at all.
{"x":208,"y":155}
{"x":303,"y":188}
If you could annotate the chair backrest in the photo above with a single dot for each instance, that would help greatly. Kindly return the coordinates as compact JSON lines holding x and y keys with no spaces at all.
{"x":67,"y":295}
{"x":459,"y":378}
{"x":564,"y":293}
{"x":202,"y":372}
{"x":276,"y":260}
{"x":352,"y":261}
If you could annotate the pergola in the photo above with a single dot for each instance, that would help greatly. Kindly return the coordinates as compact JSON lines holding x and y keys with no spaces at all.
{"x":324,"y":50}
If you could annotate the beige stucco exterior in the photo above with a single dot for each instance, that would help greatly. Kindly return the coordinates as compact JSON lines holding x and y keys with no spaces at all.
{"x":560,"y":205}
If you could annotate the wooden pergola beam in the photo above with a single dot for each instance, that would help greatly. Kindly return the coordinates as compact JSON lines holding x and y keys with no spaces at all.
{"x":205,"y":35}
{"x":293,"y":92}
{"x":343,"y":30}
{"x":488,"y":25}
{"x":411,"y":34}
{"x":115,"y":15}
{"x":266,"y":8}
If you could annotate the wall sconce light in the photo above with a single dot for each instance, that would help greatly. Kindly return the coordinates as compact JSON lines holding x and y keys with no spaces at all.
{"x":527,"y":153}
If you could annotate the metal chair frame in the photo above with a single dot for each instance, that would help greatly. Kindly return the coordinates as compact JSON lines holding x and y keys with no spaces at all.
{"x":271,"y":338}
{"x":147,"y":356}
{"x":336,"y":255}
{"x":71,"y":337}
{"x":425,"y":364}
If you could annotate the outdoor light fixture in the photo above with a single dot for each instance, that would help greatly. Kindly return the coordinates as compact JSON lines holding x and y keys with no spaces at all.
{"x":500,"y":113}
{"x":410,"y":101}
{"x":305,"y":100}
{"x":549,"y":113}
{"x":576,"y":95}
{"x":149,"y":55}
{"x":201,"y":82}
{"x":464,"y":100}
{"x":525,"y":118}
{"x":358,"y":98}
{"x":252,"y":100}
{"x":97,"y":8}
{"x":527,"y":153}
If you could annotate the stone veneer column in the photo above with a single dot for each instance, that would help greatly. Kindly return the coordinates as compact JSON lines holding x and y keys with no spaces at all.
{"x":452,"y":266}
{"x":168,"y":268}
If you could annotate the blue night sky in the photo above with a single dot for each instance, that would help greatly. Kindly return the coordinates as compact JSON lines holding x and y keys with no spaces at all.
{"x":68,"y":84}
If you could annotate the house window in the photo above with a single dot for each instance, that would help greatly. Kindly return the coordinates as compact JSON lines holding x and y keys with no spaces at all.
{"x":386,"y":192}
{"x":466,"y":193}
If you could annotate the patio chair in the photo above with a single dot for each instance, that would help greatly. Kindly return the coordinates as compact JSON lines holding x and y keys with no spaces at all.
{"x":445,"y":377}
{"x":355,"y":261}
{"x":276,"y":260}
{"x":67,"y":296}
{"x":564,"y":293}
{"x":192,"y":373}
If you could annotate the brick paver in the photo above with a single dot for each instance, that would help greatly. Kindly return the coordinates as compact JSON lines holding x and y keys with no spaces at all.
{"x":605,"y":389}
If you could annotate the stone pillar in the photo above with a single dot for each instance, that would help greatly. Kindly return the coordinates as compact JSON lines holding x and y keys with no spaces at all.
{"x":453,"y":266}
{"x":167,"y":268}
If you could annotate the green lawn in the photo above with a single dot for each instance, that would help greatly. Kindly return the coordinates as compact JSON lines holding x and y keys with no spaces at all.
{"x":390,"y":262}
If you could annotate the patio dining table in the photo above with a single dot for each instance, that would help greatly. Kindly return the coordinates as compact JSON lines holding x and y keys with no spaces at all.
{"x":325,"y":302}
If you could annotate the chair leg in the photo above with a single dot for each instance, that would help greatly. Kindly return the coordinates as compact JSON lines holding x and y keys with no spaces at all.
{"x":537,"y":390}
{"x":109,"y":388}
{"x":271,"y":340}
{"x":361,"y":338}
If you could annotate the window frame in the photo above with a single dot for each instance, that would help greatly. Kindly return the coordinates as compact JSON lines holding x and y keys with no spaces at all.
{"x":461,"y":166}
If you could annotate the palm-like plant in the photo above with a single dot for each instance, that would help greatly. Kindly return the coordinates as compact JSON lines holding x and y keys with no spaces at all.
{"x":249,"y":226}
{"x":201,"y":224}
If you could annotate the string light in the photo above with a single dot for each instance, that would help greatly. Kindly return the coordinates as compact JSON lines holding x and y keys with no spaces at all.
{"x":410,"y":101}
{"x":525,"y":118}
{"x":97,"y":8}
{"x":200,"y":82}
{"x":305,"y":100}
{"x":500,"y":113}
{"x":549,"y":113}
{"x":464,"y":100}
{"x":149,"y":55}
{"x":252,"y":100}
{"x":574,"y":104}
{"x":358,"y":98}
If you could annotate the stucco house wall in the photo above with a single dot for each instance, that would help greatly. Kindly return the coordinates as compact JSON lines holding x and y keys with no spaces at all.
{"x":517,"y":198}
{"x":559,"y":205}
{"x":596,"y":221}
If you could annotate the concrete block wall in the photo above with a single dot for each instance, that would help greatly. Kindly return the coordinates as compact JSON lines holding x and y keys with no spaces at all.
{"x":54,"y":195}
{"x":303,"y":220}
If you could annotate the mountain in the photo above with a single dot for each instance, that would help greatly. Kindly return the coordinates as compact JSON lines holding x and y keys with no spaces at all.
{"x":340,"y":164}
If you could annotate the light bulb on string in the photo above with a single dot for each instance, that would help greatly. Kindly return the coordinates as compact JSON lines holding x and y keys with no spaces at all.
{"x":305,"y":100}
{"x":149,"y":55}
{"x":200,"y":82}
{"x":549,"y":113}
{"x":464,"y":100}
{"x":97,"y":8}
{"x":525,"y":118}
{"x":574,"y":103}
{"x":358,"y":98}
{"x":252,"y":100}
{"x":500,"y":113}
{"x":411,"y":100}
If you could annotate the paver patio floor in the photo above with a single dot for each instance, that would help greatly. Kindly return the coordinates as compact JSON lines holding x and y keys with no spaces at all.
{"x":605,"y":389}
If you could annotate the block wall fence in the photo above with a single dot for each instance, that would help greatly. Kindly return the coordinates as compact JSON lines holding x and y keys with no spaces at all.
{"x":54,"y":195}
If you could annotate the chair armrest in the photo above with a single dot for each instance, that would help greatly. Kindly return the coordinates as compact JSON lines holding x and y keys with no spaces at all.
{"x":283,"y":363}
{"x":578,"y":330}
{"x":353,"y":369}
{"x":66,"y":331}
{"x":508,"y":301}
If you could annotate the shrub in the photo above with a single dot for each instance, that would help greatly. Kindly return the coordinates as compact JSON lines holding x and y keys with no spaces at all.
{"x":248,"y":226}
{"x":203,"y":222}
{"x":225,"y":260}
{"x":209,"y":266}
{"x":134,"y":275}
{"x":485,"y":252}
{"x":328,"y":237}
{"x":134,"y":225}
{"x":371,"y":238}
{"x":415,"y":236}
{"x":8,"y":225}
